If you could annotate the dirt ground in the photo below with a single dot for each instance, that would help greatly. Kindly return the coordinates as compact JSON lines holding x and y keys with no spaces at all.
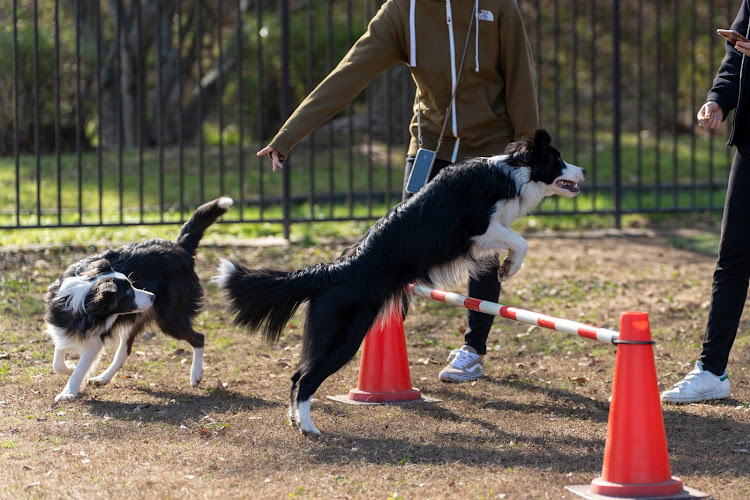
{"x":537,"y":421}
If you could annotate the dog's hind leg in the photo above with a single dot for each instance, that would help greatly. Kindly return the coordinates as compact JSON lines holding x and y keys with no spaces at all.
{"x":122,"y":354}
{"x":88,"y":359}
{"x":184,"y":330}
{"x":59,"y":364}
{"x":333,"y":352}
{"x":293,"y":413}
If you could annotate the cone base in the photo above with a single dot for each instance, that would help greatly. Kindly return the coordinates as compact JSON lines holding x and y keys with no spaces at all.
{"x":384,"y":397}
{"x":584,"y":490}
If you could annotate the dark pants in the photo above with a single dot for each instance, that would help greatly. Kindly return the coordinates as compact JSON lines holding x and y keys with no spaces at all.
{"x":485,"y":287}
{"x":730,"y":284}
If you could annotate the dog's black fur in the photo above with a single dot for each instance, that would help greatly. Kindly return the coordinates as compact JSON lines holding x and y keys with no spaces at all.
{"x":456,"y":223}
{"x":110,"y":295}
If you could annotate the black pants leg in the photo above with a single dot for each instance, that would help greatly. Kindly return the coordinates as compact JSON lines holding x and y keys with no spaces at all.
{"x":730,"y":282}
{"x":484,"y":287}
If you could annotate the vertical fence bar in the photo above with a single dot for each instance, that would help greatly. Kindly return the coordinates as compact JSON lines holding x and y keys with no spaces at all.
{"x":220,"y":101}
{"x":140,"y":107}
{"x":261,"y":134}
{"x":199,"y":119}
{"x":349,"y":122}
{"x":159,"y":108}
{"x":58,"y":162}
{"x":369,"y":133}
{"x":79,"y":118}
{"x":16,"y":115}
{"x":657,"y":110}
{"x":639,"y":111}
{"x":592,"y":105}
{"x":37,"y":118}
{"x":574,"y":78}
{"x":329,"y":66}
{"x":120,"y":117}
{"x":310,"y":86}
{"x":99,"y":110}
{"x":180,"y":112}
{"x":616,"y":91}
{"x":240,"y":128}
{"x":693,"y":120}
{"x":285,"y":105}
{"x":675,"y":103}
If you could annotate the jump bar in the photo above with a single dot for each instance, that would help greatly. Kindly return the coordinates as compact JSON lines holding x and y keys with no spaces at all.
{"x":532,"y":318}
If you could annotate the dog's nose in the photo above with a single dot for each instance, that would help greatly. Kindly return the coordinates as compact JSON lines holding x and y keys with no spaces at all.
{"x":583,"y":171}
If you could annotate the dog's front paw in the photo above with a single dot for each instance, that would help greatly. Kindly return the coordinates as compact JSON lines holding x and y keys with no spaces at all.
{"x":508,"y":269}
{"x":65,"y":395}
{"x":504,"y":271}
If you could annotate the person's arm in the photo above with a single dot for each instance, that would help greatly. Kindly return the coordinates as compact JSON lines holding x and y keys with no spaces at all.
{"x":377,"y":50}
{"x":517,"y":67}
{"x":726,"y":85}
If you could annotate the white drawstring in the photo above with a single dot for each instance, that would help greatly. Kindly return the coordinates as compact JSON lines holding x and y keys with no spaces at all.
{"x":476,"y":50}
{"x":412,"y":35}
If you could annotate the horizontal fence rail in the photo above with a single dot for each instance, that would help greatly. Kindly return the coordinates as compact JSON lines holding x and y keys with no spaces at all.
{"x":133,"y":113}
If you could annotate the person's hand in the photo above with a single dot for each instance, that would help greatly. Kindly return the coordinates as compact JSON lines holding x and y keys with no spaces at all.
{"x":711,"y":115}
{"x":742,"y":47}
{"x":276,"y":157}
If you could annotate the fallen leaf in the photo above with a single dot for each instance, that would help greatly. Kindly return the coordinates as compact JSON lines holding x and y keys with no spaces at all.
{"x":743,"y":450}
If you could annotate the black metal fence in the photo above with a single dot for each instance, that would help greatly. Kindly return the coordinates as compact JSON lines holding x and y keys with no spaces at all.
{"x":133,"y":112}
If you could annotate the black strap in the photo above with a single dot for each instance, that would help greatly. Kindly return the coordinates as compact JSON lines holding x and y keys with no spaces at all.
{"x":634,"y":342}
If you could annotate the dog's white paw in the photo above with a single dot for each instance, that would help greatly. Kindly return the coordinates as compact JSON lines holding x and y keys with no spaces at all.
{"x":65,"y":369}
{"x":196,"y":377}
{"x":65,"y":395}
{"x":508,"y":269}
{"x":100,"y":380}
{"x":313,"y":433}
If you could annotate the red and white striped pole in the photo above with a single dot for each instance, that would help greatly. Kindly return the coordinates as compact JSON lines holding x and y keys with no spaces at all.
{"x":532,"y":318}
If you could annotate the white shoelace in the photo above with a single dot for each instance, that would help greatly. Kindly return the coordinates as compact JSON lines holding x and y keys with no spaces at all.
{"x":462,"y":359}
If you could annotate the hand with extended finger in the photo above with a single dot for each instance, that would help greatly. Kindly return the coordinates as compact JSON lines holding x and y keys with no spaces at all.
{"x":277,"y":158}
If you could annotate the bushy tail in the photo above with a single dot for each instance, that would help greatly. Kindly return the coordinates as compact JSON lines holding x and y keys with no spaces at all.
{"x":205,"y":215}
{"x":265,"y":299}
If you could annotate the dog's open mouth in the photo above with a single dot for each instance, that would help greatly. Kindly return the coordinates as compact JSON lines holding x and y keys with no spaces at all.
{"x":568,"y":185}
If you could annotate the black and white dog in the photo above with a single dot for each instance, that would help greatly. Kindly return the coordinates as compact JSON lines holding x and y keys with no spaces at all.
{"x":118,"y":293}
{"x":458,"y":222}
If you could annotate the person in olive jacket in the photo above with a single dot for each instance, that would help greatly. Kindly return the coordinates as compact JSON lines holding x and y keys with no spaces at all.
{"x":709,"y":379}
{"x":470,"y":59}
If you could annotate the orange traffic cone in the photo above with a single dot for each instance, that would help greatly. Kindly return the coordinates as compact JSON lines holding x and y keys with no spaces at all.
{"x":384,"y":368}
{"x":636,"y":460}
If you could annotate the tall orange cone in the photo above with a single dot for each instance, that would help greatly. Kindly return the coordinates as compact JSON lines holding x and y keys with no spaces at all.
{"x":384,"y":368}
{"x":636,"y":460}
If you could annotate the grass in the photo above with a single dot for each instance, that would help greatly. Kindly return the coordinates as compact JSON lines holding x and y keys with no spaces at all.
{"x":151,"y":186}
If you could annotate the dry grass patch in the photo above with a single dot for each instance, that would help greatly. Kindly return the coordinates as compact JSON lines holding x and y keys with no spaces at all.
{"x":536,"y":423}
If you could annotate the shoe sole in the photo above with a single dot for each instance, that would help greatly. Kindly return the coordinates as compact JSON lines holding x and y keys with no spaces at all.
{"x":456,"y":379}
{"x":705,"y":397}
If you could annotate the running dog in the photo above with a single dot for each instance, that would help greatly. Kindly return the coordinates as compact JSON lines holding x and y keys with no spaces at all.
{"x":117,"y":294}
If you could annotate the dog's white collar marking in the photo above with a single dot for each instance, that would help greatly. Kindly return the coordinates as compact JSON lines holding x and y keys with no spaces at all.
{"x":75,"y":288}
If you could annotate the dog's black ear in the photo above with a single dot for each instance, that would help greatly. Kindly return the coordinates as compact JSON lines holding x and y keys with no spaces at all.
{"x":542,"y":140}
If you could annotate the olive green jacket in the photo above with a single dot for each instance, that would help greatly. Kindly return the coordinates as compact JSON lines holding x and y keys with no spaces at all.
{"x":496,"y":99}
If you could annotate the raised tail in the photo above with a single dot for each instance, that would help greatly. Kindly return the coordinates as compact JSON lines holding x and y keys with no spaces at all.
{"x":205,"y":215}
{"x":264,"y":299}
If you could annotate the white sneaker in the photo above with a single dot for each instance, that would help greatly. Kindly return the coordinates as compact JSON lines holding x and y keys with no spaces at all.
{"x":698,"y":385}
{"x":464,"y":365}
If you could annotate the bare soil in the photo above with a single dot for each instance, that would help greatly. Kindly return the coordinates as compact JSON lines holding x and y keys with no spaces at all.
{"x":536,"y":422}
